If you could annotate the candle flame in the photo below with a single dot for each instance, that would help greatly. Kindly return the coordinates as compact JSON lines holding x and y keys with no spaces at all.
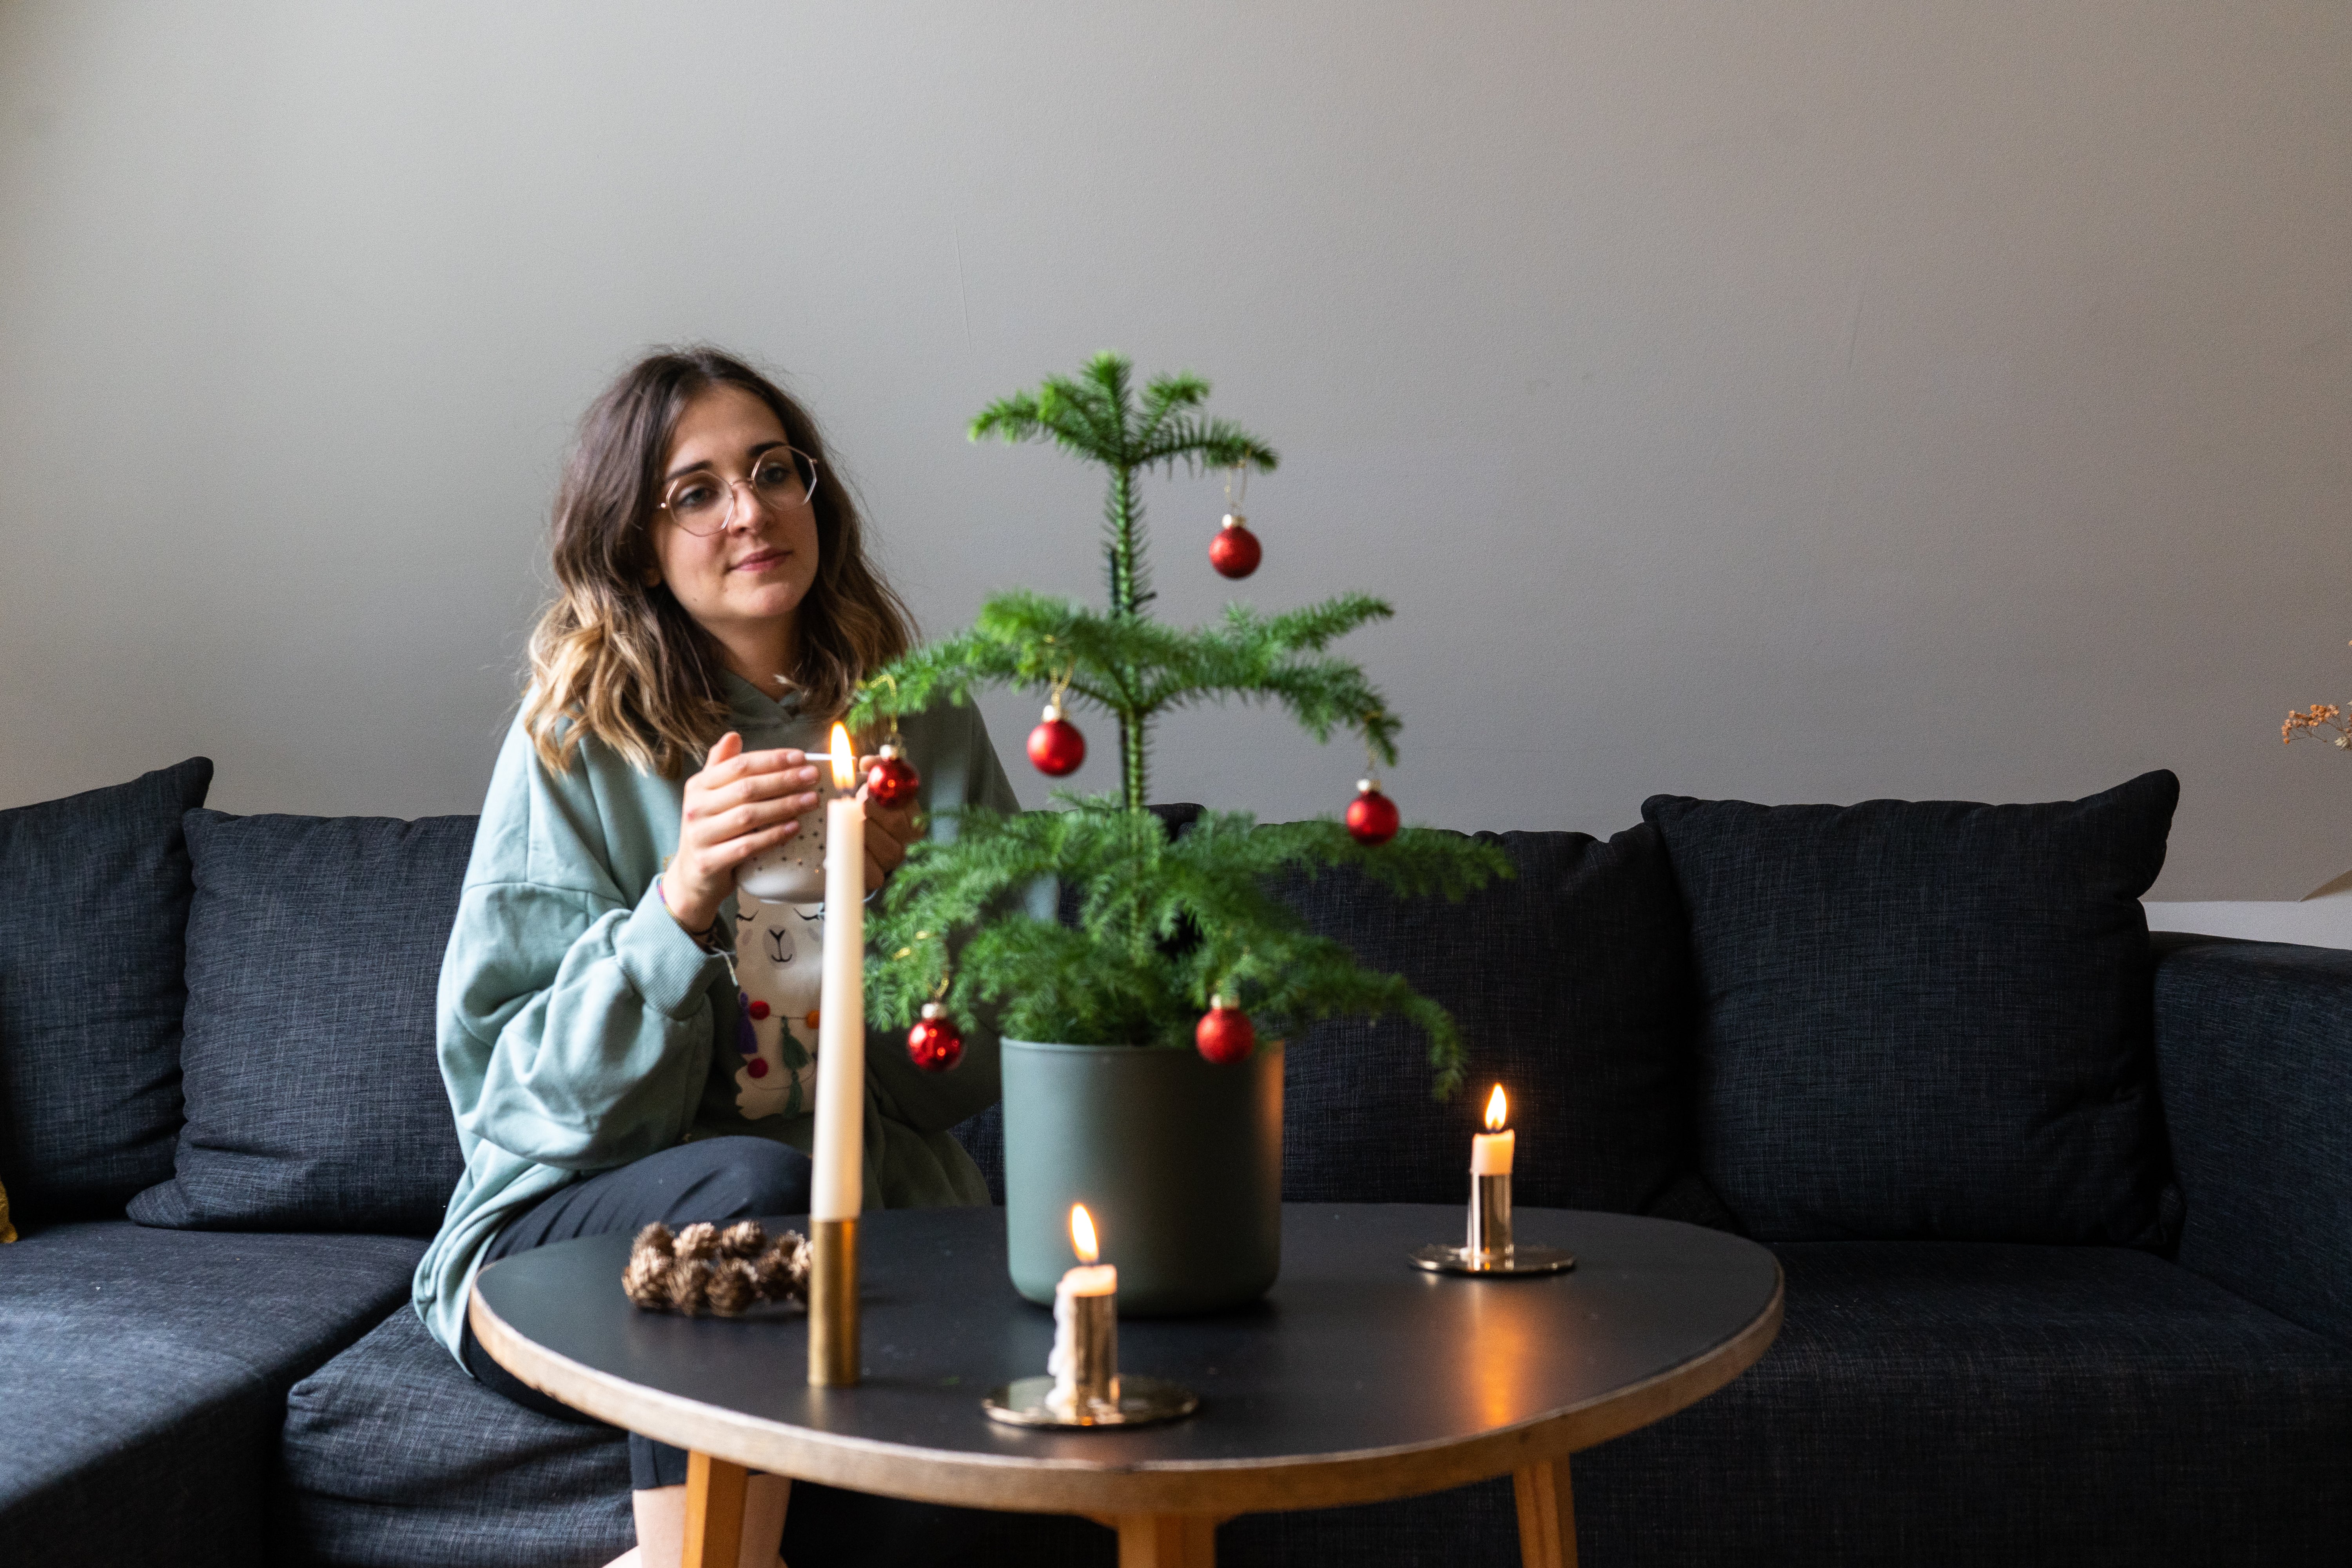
{"x":1499,"y":1110}
{"x":845,"y":758}
{"x":1082,"y":1233}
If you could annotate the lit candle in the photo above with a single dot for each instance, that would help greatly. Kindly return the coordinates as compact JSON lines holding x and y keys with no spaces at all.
{"x":1490,"y":1152}
{"x":1490,"y":1188}
{"x":838,"y":1184}
{"x":1084,"y":1362}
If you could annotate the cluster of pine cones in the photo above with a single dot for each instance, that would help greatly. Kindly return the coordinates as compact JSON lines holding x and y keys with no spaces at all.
{"x":705,"y":1269}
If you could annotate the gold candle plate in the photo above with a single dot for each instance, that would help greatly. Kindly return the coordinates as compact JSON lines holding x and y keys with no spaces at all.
{"x":1139,"y":1402}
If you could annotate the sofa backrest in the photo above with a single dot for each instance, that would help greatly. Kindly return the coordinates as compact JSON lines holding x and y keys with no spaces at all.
{"x":1613,"y":988}
{"x":2253,"y":1041}
{"x":1571,"y":982}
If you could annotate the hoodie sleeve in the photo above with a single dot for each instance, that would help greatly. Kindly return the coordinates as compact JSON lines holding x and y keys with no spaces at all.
{"x":574,"y":1022}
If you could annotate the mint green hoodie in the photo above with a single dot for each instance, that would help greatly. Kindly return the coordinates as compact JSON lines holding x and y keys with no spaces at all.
{"x":580,"y":1027}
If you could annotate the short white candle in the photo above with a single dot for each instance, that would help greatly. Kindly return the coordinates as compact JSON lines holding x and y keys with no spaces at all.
{"x":1101,"y":1279}
{"x":837,"y":1183}
{"x":1088,"y":1280}
{"x":1490,"y":1152}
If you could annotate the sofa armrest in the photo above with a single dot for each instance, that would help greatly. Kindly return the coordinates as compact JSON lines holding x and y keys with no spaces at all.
{"x":2253,"y":1050}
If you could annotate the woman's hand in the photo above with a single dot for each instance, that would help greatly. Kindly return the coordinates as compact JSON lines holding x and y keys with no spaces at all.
{"x":741,"y":804}
{"x":889,"y":830}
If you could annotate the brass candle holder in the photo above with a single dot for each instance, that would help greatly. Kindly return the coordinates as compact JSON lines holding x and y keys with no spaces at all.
{"x":1490,"y":1218}
{"x":1490,"y":1248}
{"x":832,"y":1349}
{"x":1099,"y":1396}
{"x":1082,"y":1386}
{"x":1094,"y":1355}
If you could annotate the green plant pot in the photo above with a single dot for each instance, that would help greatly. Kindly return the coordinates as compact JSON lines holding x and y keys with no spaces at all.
{"x":1178,"y":1160}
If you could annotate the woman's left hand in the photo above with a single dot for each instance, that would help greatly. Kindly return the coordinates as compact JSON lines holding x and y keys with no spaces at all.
{"x":889,"y":830}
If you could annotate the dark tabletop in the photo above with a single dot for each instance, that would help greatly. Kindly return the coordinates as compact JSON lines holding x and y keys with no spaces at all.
{"x":1353,"y":1352}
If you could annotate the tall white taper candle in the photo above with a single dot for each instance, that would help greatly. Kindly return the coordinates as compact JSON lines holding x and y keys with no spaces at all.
{"x":838,"y":1184}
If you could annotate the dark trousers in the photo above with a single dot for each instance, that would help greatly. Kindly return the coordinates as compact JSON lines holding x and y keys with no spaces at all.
{"x":717,"y":1179}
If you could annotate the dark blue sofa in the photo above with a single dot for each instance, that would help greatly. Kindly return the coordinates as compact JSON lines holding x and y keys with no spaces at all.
{"x":2101,"y":1314}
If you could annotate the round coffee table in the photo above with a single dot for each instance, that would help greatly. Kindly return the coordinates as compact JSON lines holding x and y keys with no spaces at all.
{"x":1359,"y":1378}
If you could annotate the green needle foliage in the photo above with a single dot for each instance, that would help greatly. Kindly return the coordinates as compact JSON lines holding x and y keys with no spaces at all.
{"x":1162,"y":923}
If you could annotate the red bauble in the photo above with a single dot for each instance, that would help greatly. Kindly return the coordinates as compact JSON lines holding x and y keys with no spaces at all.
{"x":1225,"y":1034}
{"x":1371,"y":815}
{"x":891,"y":779}
{"x":934,"y":1043}
{"x":1055,"y":745}
{"x":1234,"y":553}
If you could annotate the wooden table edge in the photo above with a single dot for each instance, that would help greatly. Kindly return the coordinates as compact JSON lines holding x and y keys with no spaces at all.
{"x":1023,"y":1484}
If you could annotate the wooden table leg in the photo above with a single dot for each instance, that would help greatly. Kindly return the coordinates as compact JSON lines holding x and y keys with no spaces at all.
{"x":1546,"y":1516}
{"x":714,"y":1512}
{"x":1167,"y":1541}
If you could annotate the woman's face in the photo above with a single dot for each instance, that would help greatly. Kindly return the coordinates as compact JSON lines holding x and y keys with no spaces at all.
{"x":744,"y":579}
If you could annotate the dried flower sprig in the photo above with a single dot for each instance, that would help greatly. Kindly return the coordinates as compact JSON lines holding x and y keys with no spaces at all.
{"x":2319,"y":716}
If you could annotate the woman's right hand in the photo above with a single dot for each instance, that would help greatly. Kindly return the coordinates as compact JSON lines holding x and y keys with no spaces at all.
{"x":741,"y":804}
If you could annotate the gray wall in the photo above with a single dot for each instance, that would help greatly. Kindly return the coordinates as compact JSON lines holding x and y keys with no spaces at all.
{"x":1789,"y":399}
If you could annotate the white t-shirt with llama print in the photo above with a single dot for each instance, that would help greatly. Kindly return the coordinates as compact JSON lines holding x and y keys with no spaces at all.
{"x":780,"y":971}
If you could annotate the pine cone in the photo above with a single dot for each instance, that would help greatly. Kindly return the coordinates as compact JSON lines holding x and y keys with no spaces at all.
{"x":646,"y":1278}
{"x":732,"y":1287}
{"x":703,"y":1268}
{"x":687,"y":1284}
{"x":785,"y":1268}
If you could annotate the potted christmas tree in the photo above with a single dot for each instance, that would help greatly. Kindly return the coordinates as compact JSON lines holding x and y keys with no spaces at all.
{"x":1143,"y":1021}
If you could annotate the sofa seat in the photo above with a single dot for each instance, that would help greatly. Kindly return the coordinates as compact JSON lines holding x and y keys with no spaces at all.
{"x":143,"y":1376}
{"x":1925,"y":1403}
{"x":1943,"y":1403}
{"x":1933,"y":1403}
{"x":393,"y":1457}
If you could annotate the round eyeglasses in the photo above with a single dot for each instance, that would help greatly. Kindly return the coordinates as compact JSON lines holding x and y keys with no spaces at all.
{"x":782,"y":479}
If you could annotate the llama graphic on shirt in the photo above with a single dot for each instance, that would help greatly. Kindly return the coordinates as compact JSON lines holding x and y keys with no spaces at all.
{"x":780,"y":965}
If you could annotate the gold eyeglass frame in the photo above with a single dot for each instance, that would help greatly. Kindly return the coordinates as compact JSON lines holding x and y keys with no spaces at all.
{"x":806,"y":464}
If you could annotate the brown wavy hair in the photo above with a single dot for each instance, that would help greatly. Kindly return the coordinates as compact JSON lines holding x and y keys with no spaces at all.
{"x":625,"y":662}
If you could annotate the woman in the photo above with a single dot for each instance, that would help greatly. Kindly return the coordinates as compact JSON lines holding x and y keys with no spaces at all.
{"x":716,"y":610}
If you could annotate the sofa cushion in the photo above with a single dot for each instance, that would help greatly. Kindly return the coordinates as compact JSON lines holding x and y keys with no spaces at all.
{"x":143,"y":1376}
{"x":1928,"y":1019}
{"x":392,"y":1456}
{"x":1571,"y":983}
{"x":1935,"y":1403}
{"x":314,"y":1097}
{"x":982,"y":1138}
{"x":90,"y":992}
